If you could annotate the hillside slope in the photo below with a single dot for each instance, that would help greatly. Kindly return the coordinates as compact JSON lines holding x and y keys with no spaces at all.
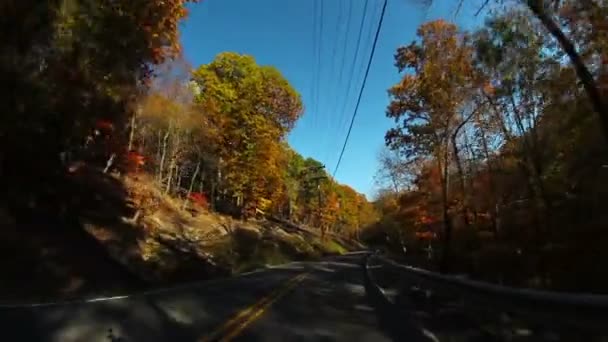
{"x":123,"y":234}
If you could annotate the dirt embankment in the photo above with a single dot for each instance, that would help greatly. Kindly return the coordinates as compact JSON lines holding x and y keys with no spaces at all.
{"x":117,"y":235}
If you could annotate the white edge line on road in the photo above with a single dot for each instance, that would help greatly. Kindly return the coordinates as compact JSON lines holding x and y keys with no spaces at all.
{"x":132,"y":295}
{"x":139,"y":294}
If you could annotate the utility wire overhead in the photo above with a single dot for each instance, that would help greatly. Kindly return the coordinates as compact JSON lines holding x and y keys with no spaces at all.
{"x":369,"y":64}
{"x":341,"y":115}
{"x":367,"y":42}
{"x":355,"y":57}
{"x":370,"y":36}
{"x":337,"y":33}
{"x":319,"y":65}
{"x":344,"y":44}
{"x":314,"y":52}
{"x":330,"y":111}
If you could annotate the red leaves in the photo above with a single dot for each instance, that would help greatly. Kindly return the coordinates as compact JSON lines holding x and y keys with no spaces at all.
{"x":424,"y":219}
{"x":105,"y":125}
{"x":427,"y":235}
{"x":134,"y":162}
{"x":199,"y":199}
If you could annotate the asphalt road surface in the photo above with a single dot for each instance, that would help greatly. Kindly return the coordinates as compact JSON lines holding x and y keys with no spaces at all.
{"x":300,"y":301}
{"x":330,"y":300}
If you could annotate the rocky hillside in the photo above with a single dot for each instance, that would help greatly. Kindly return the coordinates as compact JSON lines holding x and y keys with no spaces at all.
{"x":124,"y":234}
{"x":164,"y":241}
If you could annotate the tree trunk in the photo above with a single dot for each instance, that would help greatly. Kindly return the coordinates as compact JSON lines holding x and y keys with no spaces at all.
{"x":583,"y":73}
{"x":496,"y":111}
{"x":173,"y":167}
{"x":132,"y":132}
{"x":169,"y":177}
{"x":163,"y":156}
{"x":472,"y":171}
{"x":444,"y":265}
{"x":178,"y":177}
{"x":109,"y":163}
{"x":534,"y":172}
{"x":465,"y":206}
{"x":198,"y":167}
{"x":159,"y":144}
{"x":492,"y":185}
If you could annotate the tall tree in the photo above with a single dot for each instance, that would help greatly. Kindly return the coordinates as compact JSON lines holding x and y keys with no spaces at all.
{"x":259,"y":108}
{"x":426,"y":103}
{"x":547,"y":12}
{"x":67,"y":64}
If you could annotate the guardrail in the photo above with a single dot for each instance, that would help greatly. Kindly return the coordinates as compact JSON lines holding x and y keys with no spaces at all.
{"x":588,"y":311}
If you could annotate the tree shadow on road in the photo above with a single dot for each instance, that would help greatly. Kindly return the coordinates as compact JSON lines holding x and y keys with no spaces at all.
{"x":185,"y":313}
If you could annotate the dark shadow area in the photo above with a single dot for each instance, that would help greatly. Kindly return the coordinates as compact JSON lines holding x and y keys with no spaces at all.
{"x":398,"y":320}
{"x":187,"y":313}
{"x":448,"y":315}
{"x":46,"y":253}
{"x":329,"y":305}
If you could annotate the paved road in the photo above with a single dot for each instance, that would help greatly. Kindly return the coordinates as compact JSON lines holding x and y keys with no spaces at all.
{"x":330,"y":300}
{"x":447,"y":314}
{"x":302,"y":301}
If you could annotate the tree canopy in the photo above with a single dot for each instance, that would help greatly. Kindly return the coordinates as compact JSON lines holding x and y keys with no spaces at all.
{"x":500,"y":148}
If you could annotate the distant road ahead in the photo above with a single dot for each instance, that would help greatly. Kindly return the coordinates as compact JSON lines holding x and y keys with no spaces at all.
{"x":301,"y":301}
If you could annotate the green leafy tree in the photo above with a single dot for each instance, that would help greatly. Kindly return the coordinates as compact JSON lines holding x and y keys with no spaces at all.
{"x":257,"y":108}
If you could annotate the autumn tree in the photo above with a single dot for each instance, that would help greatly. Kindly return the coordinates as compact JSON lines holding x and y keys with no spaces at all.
{"x":530,"y":150}
{"x":427,"y":101}
{"x":573,"y":16}
{"x":258,"y":107}
{"x":172,"y":132}
{"x":515,"y":59}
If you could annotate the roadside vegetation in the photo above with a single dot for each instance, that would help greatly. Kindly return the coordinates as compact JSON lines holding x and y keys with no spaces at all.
{"x":123,"y":167}
{"x":497,"y":159}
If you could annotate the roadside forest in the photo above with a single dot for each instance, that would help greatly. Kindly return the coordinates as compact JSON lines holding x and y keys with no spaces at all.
{"x":121,"y":163}
{"x":498,"y":159}
{"x":215,"y":134}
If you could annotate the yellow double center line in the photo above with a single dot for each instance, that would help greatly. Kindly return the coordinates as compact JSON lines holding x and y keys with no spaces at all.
{"x":239,"y":322}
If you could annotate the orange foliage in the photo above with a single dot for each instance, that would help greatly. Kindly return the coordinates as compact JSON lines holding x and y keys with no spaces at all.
{"x":489,"y":89}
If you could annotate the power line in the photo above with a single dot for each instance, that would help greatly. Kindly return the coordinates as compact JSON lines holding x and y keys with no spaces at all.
{"x":354,"y":62}
{"x":319,"y":65}
{"x":314,"y":59}
{"x":330,"y":115}
{"x":341,"y":116}
{"x":369,"y":64}
{"x":348,"y":21}
{"x":369,"y":37}
{"x":344,"y":120}
{"x":337,"y":29}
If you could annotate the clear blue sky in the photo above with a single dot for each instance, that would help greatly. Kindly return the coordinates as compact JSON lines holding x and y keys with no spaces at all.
{"x":280,"y":33}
